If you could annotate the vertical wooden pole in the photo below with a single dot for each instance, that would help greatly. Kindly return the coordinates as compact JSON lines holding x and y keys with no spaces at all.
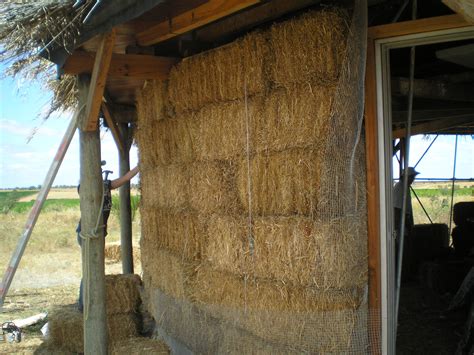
{"x":95,"y":321}
{"x":373,"y":195}
{"x":125,"y":204}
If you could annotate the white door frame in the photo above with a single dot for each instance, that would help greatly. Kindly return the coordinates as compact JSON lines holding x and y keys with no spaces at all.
{"x":384,"y":127}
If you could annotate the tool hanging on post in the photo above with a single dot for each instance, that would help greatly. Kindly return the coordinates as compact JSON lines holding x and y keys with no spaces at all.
{"x":36,"y":209}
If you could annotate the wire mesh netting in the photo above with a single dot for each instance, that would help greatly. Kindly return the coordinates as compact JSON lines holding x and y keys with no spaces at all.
{"x":252,"y":155}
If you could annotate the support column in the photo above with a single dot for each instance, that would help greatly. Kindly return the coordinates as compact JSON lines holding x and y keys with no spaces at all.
{"x":125,"y":204}
{"x":95,"y":321}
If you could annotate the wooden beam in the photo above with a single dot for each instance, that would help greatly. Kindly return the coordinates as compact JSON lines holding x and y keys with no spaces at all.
{"x":123,"y":113}
{"x":251,"y":18}
{"x":417,"y":26}
{"x":373,"y":198}
{"x":113,"y":128}
{"x":98,"y":81}
{"x":436,"y":125}
{"x":122,"y":65}
{"x":429,"y":115}
{"x":433,"y":89}
{"x":192,"y":19}
{"x":465,"y":8}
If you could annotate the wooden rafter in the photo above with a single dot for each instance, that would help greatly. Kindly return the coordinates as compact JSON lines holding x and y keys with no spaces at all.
{"x":434,"y":89}
{"x":113,"y":128}
{"x":122,"y":65}
{"x":436,"y":125}
{"x":98,"y":81}
{"x":251,"y":18}
{"x":201,"y":15}
{"x":417,"y":26}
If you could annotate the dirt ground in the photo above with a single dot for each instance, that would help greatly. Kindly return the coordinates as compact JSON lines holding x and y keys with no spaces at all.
{"x":28,"y":302}
{"x":425,"y":327}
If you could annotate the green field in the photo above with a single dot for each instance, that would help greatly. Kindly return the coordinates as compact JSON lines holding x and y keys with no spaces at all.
{"x":9,"y":203}
{"x":8,"y":199}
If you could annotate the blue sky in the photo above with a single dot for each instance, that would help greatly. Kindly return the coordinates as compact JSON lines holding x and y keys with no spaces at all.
{"x":26,"y":163}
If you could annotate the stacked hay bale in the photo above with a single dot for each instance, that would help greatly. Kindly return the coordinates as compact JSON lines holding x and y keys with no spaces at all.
{"x":463,"y":216}
{"x":113,"y":252}
{"x":123,"y":319}
{"x":253,"y":220}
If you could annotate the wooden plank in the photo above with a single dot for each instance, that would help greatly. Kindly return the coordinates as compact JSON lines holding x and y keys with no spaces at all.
{"x":251,"y":18}
{"x":465,"y":8}
{"x":433,"y":89}
{"x":190,"y":20}
{"x":435,"y":126}
{"x":373,"y":197}
{"x":98,"y":81}
{"x":122,"y":65}
{"x":429,"y":115}
{"x":417,"y":26}
{"x":113,"y":128}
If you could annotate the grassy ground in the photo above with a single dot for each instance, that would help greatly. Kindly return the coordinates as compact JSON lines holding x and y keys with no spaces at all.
{"x":436,"y":199}
{"x":50,"y":270}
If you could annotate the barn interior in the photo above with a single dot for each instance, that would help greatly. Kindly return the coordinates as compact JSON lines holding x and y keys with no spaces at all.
{"x":152,"y":38}
{"x":437,"y":256}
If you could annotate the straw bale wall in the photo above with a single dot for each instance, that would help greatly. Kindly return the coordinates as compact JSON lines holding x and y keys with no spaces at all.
{"x":218,"y":75}
{"x":253,"y":215}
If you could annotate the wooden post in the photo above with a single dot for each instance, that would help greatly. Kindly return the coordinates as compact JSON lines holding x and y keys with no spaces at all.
{"x":125,"y":204}
{"x":95,"y":321}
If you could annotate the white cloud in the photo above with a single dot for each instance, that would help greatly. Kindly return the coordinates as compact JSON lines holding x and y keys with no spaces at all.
{"x":12,"y":127}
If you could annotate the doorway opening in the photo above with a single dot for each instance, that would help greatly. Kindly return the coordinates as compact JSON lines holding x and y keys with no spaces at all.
{"x":424,"y":264}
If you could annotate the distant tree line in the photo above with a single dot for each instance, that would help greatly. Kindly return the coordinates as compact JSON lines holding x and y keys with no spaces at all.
{"x":38,"y":187}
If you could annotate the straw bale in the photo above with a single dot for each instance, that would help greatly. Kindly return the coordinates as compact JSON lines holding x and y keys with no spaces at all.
{"x":337,"y":331}
{"x":180,"y":232}
{"x":186,"y":323}
{"x":309,"y":47}
{"x":282,"y":183}
{"x":342,"y":188}
{"x":294,"y":250}
{"x":152,"y":101}
{"x":211,"y":287}
{"x":169,"y":272}
{"x":122,"y":293}
{"x":238,"y":341}
{"x":139,"y":346}
{"x":212,"y":187}
{"x":113,"y":252}
{"x":66,"y":328}
{"x":295,"y":116}
{"x":171,"y":140}
{"x":222,"y":74}
{"x":165,"y":187}
{"x":223,"y":128}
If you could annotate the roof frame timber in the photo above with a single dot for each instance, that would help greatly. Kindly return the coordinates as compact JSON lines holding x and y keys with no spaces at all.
{"x":113,"y":128}
{"x":197,"y":17}
{"x":122,"y":65}
{"x":433,"y":89}
{"x":98,"y":80}
{"x":436,"y":125}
